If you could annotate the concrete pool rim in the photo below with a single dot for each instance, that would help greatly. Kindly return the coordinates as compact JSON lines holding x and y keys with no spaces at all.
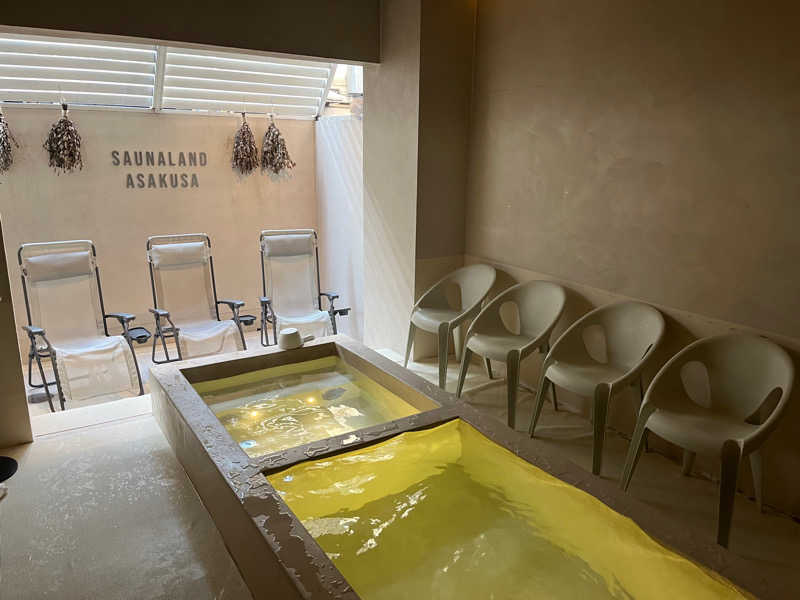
{"x":257,"y":525}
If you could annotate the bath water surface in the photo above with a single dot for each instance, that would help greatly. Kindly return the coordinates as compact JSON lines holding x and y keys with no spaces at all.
{"x":282,"y":407}
{"x":446,"y":513}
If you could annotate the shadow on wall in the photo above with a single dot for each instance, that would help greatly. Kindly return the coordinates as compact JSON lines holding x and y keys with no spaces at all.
{"x":781,"y":454}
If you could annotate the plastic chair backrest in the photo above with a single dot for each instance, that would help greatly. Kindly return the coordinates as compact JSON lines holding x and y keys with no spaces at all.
{"x":62,"y":290}
{"x":474,"y":282}
{"x":290,"y":273}
{"x":540,"y":304}
{"x":735,"y":374}
{"x":182,"y":276}
{"x":625,"y":330}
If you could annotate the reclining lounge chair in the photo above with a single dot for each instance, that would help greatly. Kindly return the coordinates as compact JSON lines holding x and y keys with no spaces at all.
{"x":185,"y":302}
{"x":67,"y":324}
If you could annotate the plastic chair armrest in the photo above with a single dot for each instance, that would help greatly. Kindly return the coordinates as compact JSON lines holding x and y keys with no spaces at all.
{"x":159,"y":312}
{"x":329,"y":295}
{"x":265,"y":301}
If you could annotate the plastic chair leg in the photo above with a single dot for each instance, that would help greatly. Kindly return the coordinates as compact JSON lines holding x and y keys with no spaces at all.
{"x":601,"y":396}
{"x":555,"y":399}
{"x":537,"y":410}
{"x":512,"y":382}
{"x":462,"y":373}
{"x":457,"y":341}
{"x":758,"y":482}
{"x":634,"y":452}
{"x":488,"y":365}
{"x":729,"y":472}
{"x":688,"y":462}
{"x":409,"y":343}
{"x":444,"y":342}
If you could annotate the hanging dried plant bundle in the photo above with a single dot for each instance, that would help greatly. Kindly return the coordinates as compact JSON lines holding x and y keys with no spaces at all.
{"x":6,"y":139}
{"x":63,"y":144}
{"x":274,"y":155}
{"x":245,"y":151}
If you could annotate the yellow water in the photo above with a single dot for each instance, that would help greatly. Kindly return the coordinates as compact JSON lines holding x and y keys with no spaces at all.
{"x":282,"y":407}
{"x":446,"y":513}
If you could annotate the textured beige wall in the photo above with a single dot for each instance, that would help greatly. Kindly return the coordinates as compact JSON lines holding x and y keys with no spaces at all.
{"x":644,"y":147}
{"x":446,"y":46}
{"x":340,"y":209}
{"x":391,"y":113}
{"x":38,"y":205}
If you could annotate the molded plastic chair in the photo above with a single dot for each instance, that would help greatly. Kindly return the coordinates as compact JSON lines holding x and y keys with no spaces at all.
{"x":597,"y":356}
{"x":185,"y":292}
{"x":433,"y":312}
{"x":290,"y":280}
{"x":539,"y":306}
{"x":721,"y":396}
{"x":67,"y":324}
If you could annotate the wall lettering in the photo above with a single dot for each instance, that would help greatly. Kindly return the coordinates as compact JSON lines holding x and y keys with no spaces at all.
{"x":154,"y":160}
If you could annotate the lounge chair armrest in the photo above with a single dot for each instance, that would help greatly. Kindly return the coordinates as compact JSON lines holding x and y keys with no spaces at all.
{"x":265,"y":301}
{"x":33,"y":330}
{"x":121,"y":317}
{"x":329,"y":295}
{"x":159,"y":312}
{"x":232,"y":303}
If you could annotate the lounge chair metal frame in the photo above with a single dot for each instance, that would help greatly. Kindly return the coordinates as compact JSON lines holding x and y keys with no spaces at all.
{"x":268,"y":315}
{"x":163,"y":332}
{"x":34,"y":332}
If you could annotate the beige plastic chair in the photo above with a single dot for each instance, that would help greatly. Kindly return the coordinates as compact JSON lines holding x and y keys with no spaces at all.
{"x":539,"y":306}
{"x":599,"y":355}
{"x":721,"y":396}
{"x":433,"y":312}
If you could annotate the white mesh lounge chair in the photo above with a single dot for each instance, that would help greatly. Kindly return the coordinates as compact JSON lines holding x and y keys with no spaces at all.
{"x":600,"y":354}
{"x":185,"y":301}
{"x":539,"y":306}
{"x":67,"y":324}
{"x":722,"y":397}
{"x":433,"y":312}
{"x":290,"y":281}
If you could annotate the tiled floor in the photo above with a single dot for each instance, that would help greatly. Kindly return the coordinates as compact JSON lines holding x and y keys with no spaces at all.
{"x":770,"y":539}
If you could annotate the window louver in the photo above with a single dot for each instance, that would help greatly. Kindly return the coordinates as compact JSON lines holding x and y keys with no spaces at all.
{"x":213,"y":81}
{"x":47,"y":70}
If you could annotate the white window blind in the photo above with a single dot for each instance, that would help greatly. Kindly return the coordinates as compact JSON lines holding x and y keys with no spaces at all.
{"x":37,"y":69}
{"x":213,"y":81}
{"x":49,"y":70}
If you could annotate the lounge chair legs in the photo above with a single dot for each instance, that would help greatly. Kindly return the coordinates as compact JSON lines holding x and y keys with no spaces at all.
{"x":443,"y":347}
{"x":757,"y":469}
{"x":462,"y":374}
{"x":409,"y":343}
{"x":512,"y":381}
{"x":729,"y":471}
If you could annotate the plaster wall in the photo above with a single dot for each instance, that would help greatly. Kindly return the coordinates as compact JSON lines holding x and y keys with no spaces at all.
{"x":391,"y":113}
{"x":646,"y":150}
{"x":340,"y":209}
{"x":38,"y":205}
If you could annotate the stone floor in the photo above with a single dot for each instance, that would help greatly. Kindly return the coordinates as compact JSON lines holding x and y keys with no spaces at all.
{"x":106,"y":512}
{"x":770,"y":539}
